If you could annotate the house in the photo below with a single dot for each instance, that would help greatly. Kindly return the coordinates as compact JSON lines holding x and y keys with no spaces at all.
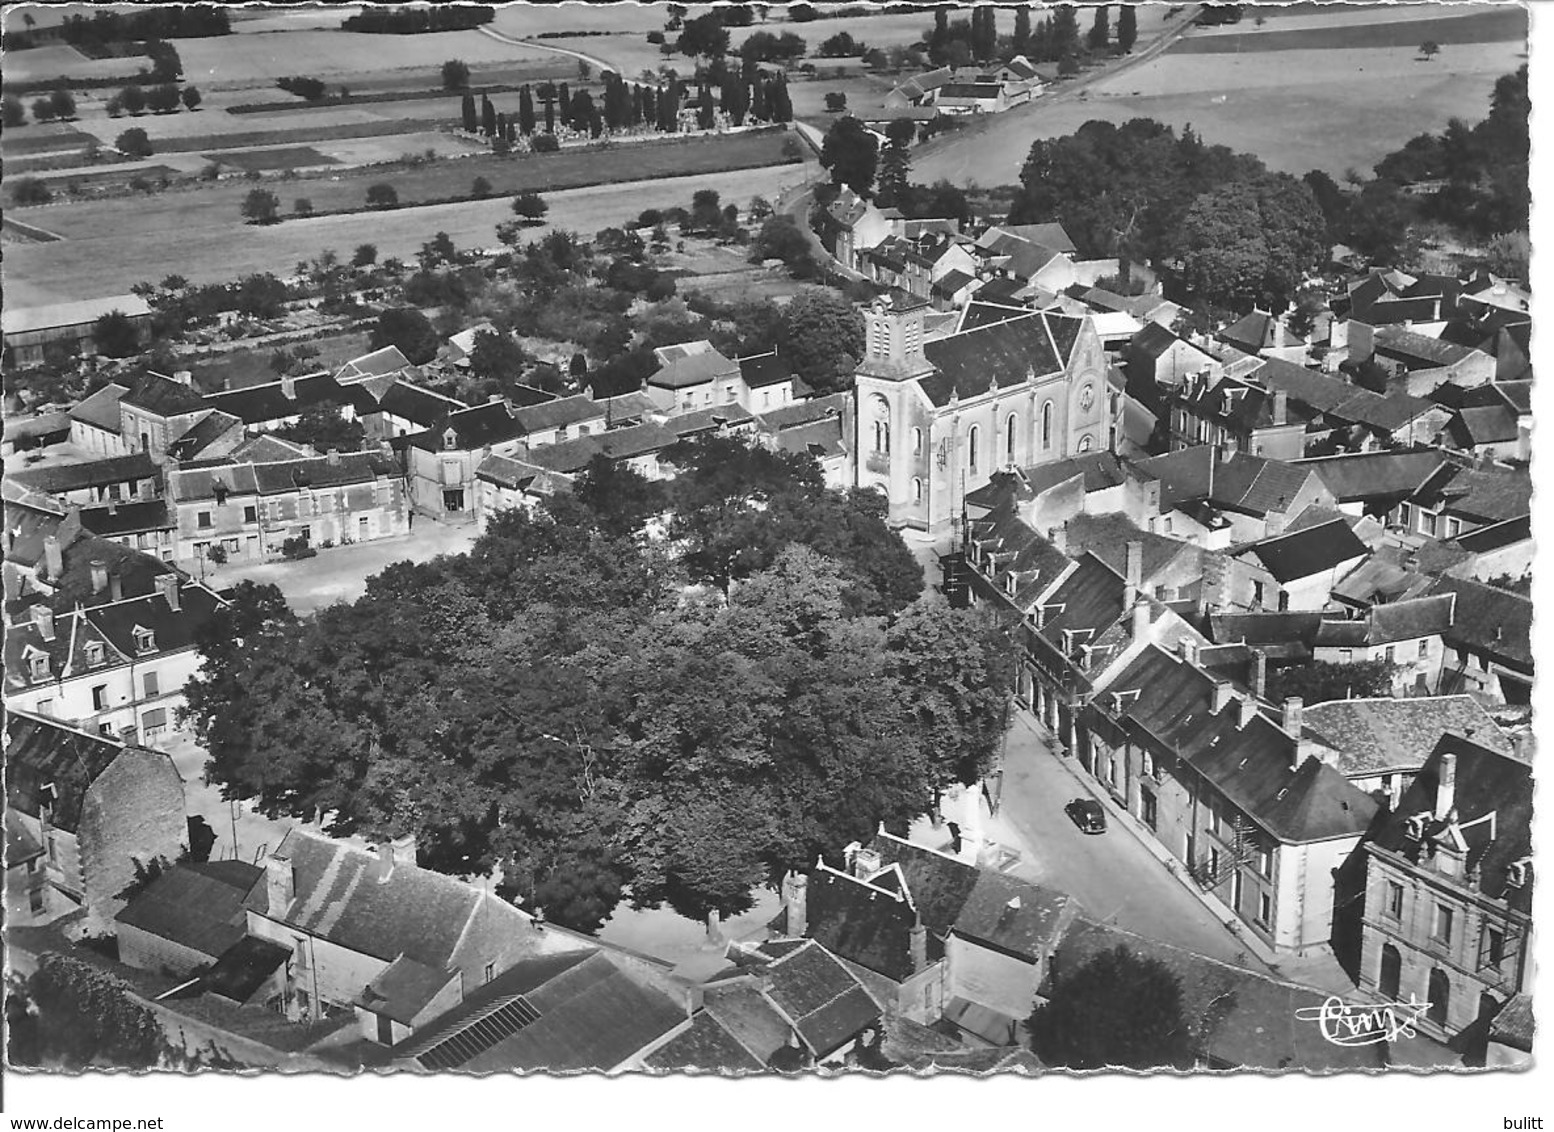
{"x":377,"y":933}
{"x":94,"y":422}
{"x":250,"y":510}
{"x":1448,"y":895}
{"x":1405,"y":634}
{"x":1347,"y":417}
{"x":34,"y":335}
{"x":919,"y":88}
{"x":1158,"y":355}
{"x":158,"y":410}
{"x":462,"y":345}
{"x":973,"y":98}
{"x":1488,"y":648}
{"x":1419,"y":363}
{"x":186,"y":918}
{"x":1455,"y":500}
{"x":584,"y":1009}
{"x":383,"y":362}
{"x":1227,"y":1008}
{"x":503,"y":483}
{"x":935,"y":419}
{"x":149,"y":526}
{"x":1218,"y":497}
{"x":1383,"y":743}
{"x":1025,"y":261}
{"x":99,"y":810}
{"x":441,"y":461}
{"x":849,"y":225}
{"x":131,"y":477}
{"x":1238,"y":416}
{"x":51,"y":558}
{"x":1262,"y":333}
{"x":767,"y":382}
{"x":118,"y":667}
{"x":212,"y":436}
{"x":952,"y":290}
{"x":945,"y":941}
{"x":818,"y":427}
{"x":692,"y":375}
{"x":1373,"y":483}
{"x":1294,"y":571}
{"x":1246,"y":797}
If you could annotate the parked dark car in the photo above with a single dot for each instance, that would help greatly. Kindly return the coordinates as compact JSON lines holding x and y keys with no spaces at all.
{"x":1087,"y":814}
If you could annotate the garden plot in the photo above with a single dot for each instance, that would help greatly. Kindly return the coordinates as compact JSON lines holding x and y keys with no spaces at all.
{"x":282,"y":157}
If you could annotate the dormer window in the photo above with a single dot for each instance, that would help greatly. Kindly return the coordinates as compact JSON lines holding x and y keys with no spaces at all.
{"x":450,"y":440}
{"x":1516,"y":873}
{"x":1416,"y":827}
{"x":93,"y":650}
{"x":38,"y":664}
{"x":145,"y":640}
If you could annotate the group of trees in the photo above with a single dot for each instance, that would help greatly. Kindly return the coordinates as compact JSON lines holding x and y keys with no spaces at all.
{"x":412,"y":21}
{"x":855,"y":159}
{"x":57,"y":105}
{"x":621,"y":106}
{"x":555,"y":703}
{"x":1053,"y":39}
{"x":162,"y":99}
{"x":171,"y":21}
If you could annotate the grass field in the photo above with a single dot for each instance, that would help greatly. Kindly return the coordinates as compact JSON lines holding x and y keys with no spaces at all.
{"x":196,"y":233}
{"x":201,"y":142}
{"x":40,"y":139}
{"x":287,"y":157}
{"x":1298,"y":110}
{"x":1498,"y":25}
{"x":248,"y":60}
{"x":56,"y":59}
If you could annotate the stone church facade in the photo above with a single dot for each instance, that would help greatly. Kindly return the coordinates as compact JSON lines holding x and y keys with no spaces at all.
{"x":936,"y":419}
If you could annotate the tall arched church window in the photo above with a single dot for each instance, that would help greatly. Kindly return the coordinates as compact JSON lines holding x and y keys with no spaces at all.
{"x":1009,"y":439}
{"x":1046,"y":425}
{"x":881,"y":414}
{"x":971,"y":448}
{"x":917,"y":442}
{"x":917,"y":491}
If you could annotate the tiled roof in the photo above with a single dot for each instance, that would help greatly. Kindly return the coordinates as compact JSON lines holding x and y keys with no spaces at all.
{"x":57,"y":479}
{"x":1240,"y":1018}
{"x":1514,"y":1025}
{"x":1050,"y":235}
{"x":1496,"y":535}
{"x":258,"y":404}
{"x":821,"y":439}
{"x":101,"y":409}
{"x":807,"y":412}
{"x":760,"y":370}
{"x":1490,"y":620}
{"x":741,"y":1009}
{"x":863,"y":924}
{"x":694,"y":369}
{"x":1413,"y":346}
{"x":1373,"y":475}
{"x":41,"y":752}
{"x":128,"y":518}
{"x":1489,"y":495}
{"x":1265,"y":628}
{"x":403,"y":989}
{"x":376,"y":364}
{"x":1032,"y":559}
{"x":196,"y":905}
{"x":1390,"y":622}
{"x":705,"y":1047}
{"x":267,"y":449}
{"x":164,"y":396}
{"x":206,"y":431}
{"x":999,"y":356}
{"x":1383,"y":736}
{"x":1486,"y":782}
{"x":571,"y":456}
{"x":558,"y":413}
{"x":1311,"y":551}
{"x":827,"y":1004}
{"x":1239,"y":482}
{"x":714,"y":418}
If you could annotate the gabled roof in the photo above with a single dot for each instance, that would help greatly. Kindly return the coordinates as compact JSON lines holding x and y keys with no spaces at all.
{"x":1234,"y":482}
{"x":1000,"y":355}
{"x":1386,"y":735}
{"x":57,"y":479}
{"x":1490,"y":620}
{"x":1412,"y":346}
{"x":101,"y":409}
{"x":164,"y":396}
{"x":195,"y":905}
{"x":1265,"y":628}
{"x":825,"y":1003}
{"x":760,"y":370}
{"x":128,"y":518}
{"x":1307,"y":552}
{"x":51,"y":763}
{"x":1485,"y":782}
{"x":206,"y":431}
{"x":558,"y":413}
{"x":571,"y":456}
{"x":258,"y":404}
{"x":24,"y":320}
{"x":1374,"y":475}
{"x":694,"y":369}
{"x":705,"y":1047}
{"x":863,"y":923}
{"x":1486,"y":494}
{"x":1239,"y":1018}
{"x":833,"y":405}
{"x":387,"y":360}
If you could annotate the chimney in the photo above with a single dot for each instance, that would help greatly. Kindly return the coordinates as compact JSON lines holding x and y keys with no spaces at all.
{"x":183,"y":377}
{"x":1140,"y":625}
{"x":289,"y":387}
{"x":1290,"y":719}
{"x":99,"y":575}
{"x":53,"y":558}
{"x":386,"y":859}
{"x":333,"y":456}
{"x":167,"y":585}
{"x":280,"y":881}
{"x":1058,"y":537}
{"x":113,"y":506}
{"x":850,"y":857}
{"x":1223,"y":694}
{"x":115,"y":588}
{"x":1188,"y":649}
{"x":1281,"y":407}
{"x":918,"y":940}
{"x":795,"y":890}
{"x":43,"y":618}
{"x":1446,"y":789}
{"x":1133,"y":571}
{"x":128,"y":735}
{"x":493,"y":398}
{"x":866,"y":862}
{"x":1259,"y":673}
{"x":1247,"y":712}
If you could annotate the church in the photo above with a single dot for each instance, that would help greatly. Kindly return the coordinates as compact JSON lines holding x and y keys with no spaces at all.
{"x":936,"y":419}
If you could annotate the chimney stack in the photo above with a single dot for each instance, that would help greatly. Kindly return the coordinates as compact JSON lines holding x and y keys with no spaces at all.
{"x":1188,"y":648}
{"x":1140,"y":624}
{"x":183,"y":377}
{"x":115,"y":588}
{"x":99,"y":575}
{"x":333,"y":456}
{"x":1133,"y":571}
{"x":1259,"y":674}
{"x":288,"y":387}
{"x":53,"y":558}
{"x":1446,"y":789}
{"x":1281,"y":407}
{"x":43,"y":618}
{"x":1246,"y":713}
{"x":918,"y":940}
{"x":796,"y":899}
{"x":1223,"y":690}
{"x":1291,"y":718}
{"x":280,"y":881}
{"x":405,"y":849}
{"x":128,"y":735}
{"x":167,"y":586}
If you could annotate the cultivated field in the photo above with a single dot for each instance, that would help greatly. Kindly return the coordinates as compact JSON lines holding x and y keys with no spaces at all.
{"x":281,"y":157}
{"x":726,"y":274}
{"x":176,"y":232}
{"x":61,"y":59}
{"x":1300,"y":109}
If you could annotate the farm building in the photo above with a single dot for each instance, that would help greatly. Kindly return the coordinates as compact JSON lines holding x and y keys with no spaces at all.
{"x":32,"y":332}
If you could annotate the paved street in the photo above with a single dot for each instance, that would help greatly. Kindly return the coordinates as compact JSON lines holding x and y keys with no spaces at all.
{"x":1112,"y":874}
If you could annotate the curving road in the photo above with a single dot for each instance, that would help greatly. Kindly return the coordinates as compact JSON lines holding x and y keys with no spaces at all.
{"x":593,"y":61}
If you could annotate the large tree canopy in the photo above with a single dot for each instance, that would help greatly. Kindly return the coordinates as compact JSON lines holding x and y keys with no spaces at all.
{"x":851,"y":153}
{"x":557,"y":703}
{"x":1249,"y":243}
{"x":1118,"y":1010}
